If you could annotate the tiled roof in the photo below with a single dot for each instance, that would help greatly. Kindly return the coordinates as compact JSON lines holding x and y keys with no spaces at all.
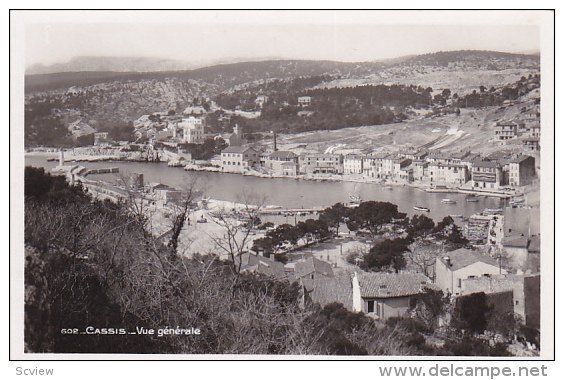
{"x":485,"y":164}
{"x":282,"y":154}
{"x":311,"y":265}
{"x":463,"y":257}
{"x":389,"y":285}
{"x":325,"y":290}
{"x":236,"y":149}
{"x":260,"y":264}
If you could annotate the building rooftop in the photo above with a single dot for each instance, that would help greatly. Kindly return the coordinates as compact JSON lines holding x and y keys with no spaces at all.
{"x":485,"y":164}
{"x":282,"y":154}
{"x":237,"y":149}
{"x":390,"y":285}
{"x":463,"y":257}
{"x":516,"y":241}
{"x":326,"y":290}
{"x":311,"y":265}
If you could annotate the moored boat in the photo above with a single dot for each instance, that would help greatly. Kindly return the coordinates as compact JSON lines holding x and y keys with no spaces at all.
{"x":448,"y":201}
{"x":420,"y":208}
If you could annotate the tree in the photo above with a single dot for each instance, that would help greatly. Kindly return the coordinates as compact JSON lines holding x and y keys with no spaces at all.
{"x":387,"y":253}
{"x":420,"y":225}
{"x":431,"y":304}
{"x":471,"y":312}
{"x":372,"y":215}
{"x":235,"y":236}
{"x":334,"y":216}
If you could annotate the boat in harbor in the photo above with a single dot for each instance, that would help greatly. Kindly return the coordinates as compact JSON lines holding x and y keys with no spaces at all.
{"x":472,"y":198}
{"x":420,"y":208}
{"x":448,"y":201}
{"x":354,"y":199}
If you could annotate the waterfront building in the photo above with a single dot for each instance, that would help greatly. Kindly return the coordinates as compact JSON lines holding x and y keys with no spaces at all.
{"x":101,"y":138}
{"x":353,"y":164}
{"x":448,"y":174}
{"x":193,"y":130}
{"x":420,"y":171}
{"x":521,"y":170}
{"x":486,"y":175}
{"x":238,"y":158}
{"x":276,"y":159}
{"x":321,"y":163}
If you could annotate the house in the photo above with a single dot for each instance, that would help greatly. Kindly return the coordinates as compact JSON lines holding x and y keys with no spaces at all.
{"x":321,"y":163}
{"x":521,"y":170}
{"x":486,"y":175}
{"x":386,"y":295}
{"x":461,"y":264}
{"x":525,"y":290}
{"x":327,"y":290}
{"x":289,"y":169}
{"x":194,"y":111}
{"x":238,"y":158}
{"x":420,"y":170}
{"x":505,"y":130}
{"x":308,"y":270}
{"x":448,"y":174}
{"x":101,"y":138}
{"x":353,"y":164}
{"x":534,"y":130}
{"x":304,"y":101}
{"x":275,"y":160}
{"x":260,"y":100}
{"x":373,"y":165}
{"x":252,"y":263}
{"x":192,"y":130}
{"x":79,"y":128}
{"x":531,"y":144}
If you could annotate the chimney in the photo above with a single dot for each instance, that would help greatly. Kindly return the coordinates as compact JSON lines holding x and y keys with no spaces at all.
{"x":275,"y":147}
{"x":447,"y":261}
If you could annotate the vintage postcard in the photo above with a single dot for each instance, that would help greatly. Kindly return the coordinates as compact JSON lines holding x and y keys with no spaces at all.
{"x":283,"y":184}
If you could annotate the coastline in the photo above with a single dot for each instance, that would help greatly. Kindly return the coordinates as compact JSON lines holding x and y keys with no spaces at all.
{"x":52,"y":154}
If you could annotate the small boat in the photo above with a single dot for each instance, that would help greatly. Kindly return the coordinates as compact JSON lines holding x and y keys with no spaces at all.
{"x":419,"y":208}
{"x":472,"y":199}
{"x":387,"y":188}
{"x":355,"y":199}
{"x":448,"y":201}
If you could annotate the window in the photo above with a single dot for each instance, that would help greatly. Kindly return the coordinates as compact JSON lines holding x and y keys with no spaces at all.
{"x":460,"y":283}
{"x":370,"y":306}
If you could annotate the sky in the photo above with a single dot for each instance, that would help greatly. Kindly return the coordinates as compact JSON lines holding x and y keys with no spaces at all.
{"x":212,"y":36}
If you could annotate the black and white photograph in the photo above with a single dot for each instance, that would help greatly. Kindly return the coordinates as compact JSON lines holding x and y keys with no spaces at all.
{"x":279,"y":184}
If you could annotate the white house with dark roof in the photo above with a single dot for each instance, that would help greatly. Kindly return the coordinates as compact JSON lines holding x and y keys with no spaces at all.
{"x":456,"y":266}
{"x":386,"y":295}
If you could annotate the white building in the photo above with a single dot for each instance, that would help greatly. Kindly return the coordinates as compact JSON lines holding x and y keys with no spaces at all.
{"x":304,"y":101}
{"x":353,"y":164}
{"x":238,"y":158}
{"x":461,"y":264}
{"x":192,"y":130}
